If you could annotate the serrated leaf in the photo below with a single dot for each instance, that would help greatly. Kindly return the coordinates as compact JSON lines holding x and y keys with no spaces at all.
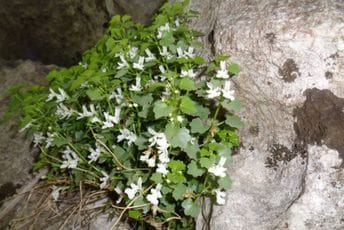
{"x":207,"y":162}
{"x":157,"y":178}
{"x":234,"y":68}
{"x":224,"y":182}
{"x":202,"y":112}
{"x":234,"y":106}
{"x":161,"y":109}
{"x":176,"y":177}
{"x":234,"y":121}
{"x":176,"y":165}
{"x":191,"y":208}
{"x":177,"y":137}
{"x":179,"y":191}
{"x":188,"y":106}
{"x":194,"y":169}
{"x":187,"y":84}
{"x":144,"y":100}
{"x":198,"y":126}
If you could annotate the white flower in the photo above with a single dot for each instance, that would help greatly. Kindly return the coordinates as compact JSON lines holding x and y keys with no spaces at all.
{"x":155,"y":194}
{"x":219,"y":170}
{"x":87,"y":113}
{"x":119,"y":191}
{"x":176,"y":22}
{"x":63,"y":112}
{"x":118,"y":96}
{"x":95,"y":120}
{"x":162,"y":29}
{"x":137,"y":86}
{"x":220,"y":197}
{"x":213,"y":91}
{"x":164,"y":52}
{"x":104,"y":180}
{"x":133,"y":52}
{"x":50,"y":138}
{"x":158,"y":139}
{"x":94,"y":153}
{"x":227,"y":92}
{"x":123,"y":63}
{"x":71,"y":159}
{"x":139,"y":65}
{"x":134,"y":188}
{"x":150,"y":55}
{"x":189,"y":53}
{"x":83,"y":65}
{"x":222,"y":72}
{"x":104,"y":70}
{"x":145,"y":158}
{"x":162,"y":69}
{"x":180,"y":118}
{"x":111,"y":120}
{"x":59,"y":97}
{"x":126,"y":134}
{"x":55,"y":193}
{"x":180,"y":52}
{"x":38,"y":138}
{"x":188,"y":73}
{"x":162,"y":168}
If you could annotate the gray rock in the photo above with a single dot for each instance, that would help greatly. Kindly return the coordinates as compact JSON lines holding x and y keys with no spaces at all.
{"x":292,"y":55}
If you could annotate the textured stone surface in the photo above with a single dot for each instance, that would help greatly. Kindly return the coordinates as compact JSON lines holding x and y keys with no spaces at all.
{"x":59,"y":32}
{"x":288,"y":51}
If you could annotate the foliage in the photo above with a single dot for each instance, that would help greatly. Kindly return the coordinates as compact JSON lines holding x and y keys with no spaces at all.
{"x":139,"y":116}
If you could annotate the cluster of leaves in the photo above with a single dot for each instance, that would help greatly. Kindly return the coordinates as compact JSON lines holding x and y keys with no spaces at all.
{"x":139,"y":94}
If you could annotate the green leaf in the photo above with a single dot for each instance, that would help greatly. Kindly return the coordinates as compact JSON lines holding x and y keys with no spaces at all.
{"x":144,"y":100}
{"x":161,"y":109}
{"x":234,"y":105}
{"x":191,"y":208}
{"x":225,"y":150}
{"x":134,"y":214}
{"x":60,"y":141}
{"x":194,"y":169}
{"x":234,"y":121}
{"x":167,"y":39}
{"x":176,"y":177}
{"x":157,"y":178}
{"x":121,"y":73}
{"x":188,"y":106}
{"x":178,"y":137}
{"x":207,"y":162}
{"x":191,"y":150}
{"x":179,"y":191}
{"x":187,"y":84}
{"x":234,"y":68}
{"x":224,"y":182}
{"x":202,"y":112}
{"x":198,"y":126}
{"x":176,"y":165}
{"x":95,"y":94}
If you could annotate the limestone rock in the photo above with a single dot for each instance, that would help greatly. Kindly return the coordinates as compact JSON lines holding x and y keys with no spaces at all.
{"x":292,"y":88}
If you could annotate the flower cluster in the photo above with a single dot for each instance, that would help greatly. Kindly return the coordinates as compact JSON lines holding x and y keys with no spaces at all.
{"x":140,"y":116}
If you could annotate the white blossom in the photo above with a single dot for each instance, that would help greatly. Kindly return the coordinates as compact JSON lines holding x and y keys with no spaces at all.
{"x":220,"y":197}
{"x":94,"y":153}
{"x":104,"y":180}
{"x":123,"y":63}
{"x":189,"y":53}
{"x":158,"y":139}
{"x":63,"y":112}
{"x":55,"y":194}
{"x":111,"y":120}
{"x":126,"y":134}
{"x":180,"y":52}
{"x":117,"y":95}
{"x":218,"y":169}
{"x":38,"y":138}
{"x":83,"y":65}
{"x":134,"y":188}
{"x":50,"y":138}
{"x":71,"y":159}
{"x":104,"y":70}
{"x":164,"y":52}
{"x":188,"y":73}
{"x":176,"y":22}
{"x":150,"y":55}
{"x":133,"y":52}
{"x":137,"y":86}
{"x":222,"y":72}
{"x":213,"y":91}
{"x":180,"y":118}
{"x":162,"y":29}
{"x":87,"y":113}
{"x":60,"y":97}
{"x":227,"y":92}
{"x":154,"y":195}
{"x":147,"y":159}
{"x":139,"y":65}
{"x":162,"y":168}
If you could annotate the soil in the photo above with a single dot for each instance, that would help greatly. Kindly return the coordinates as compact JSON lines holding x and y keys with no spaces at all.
{"x":289,"y":71}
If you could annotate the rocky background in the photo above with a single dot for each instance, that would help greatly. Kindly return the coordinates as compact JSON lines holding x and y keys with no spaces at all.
{"x":289,"y":172}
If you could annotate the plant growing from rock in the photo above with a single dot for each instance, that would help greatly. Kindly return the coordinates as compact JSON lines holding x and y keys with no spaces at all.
{"x":141,"y":116}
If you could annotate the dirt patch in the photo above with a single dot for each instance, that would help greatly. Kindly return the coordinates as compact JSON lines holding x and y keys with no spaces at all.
{"x":328,"y":75}
{"x":289,"y":71}
{"x":7,"y":190}
{"x":321,"y":120}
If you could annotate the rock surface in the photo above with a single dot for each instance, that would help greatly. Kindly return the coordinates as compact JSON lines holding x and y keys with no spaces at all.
{"x":59,"y":32}
{"x":292,"y":88}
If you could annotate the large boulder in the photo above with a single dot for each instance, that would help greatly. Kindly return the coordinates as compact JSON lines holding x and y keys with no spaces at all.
{"x":60,"y":31}
{"x":289,"y":171}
